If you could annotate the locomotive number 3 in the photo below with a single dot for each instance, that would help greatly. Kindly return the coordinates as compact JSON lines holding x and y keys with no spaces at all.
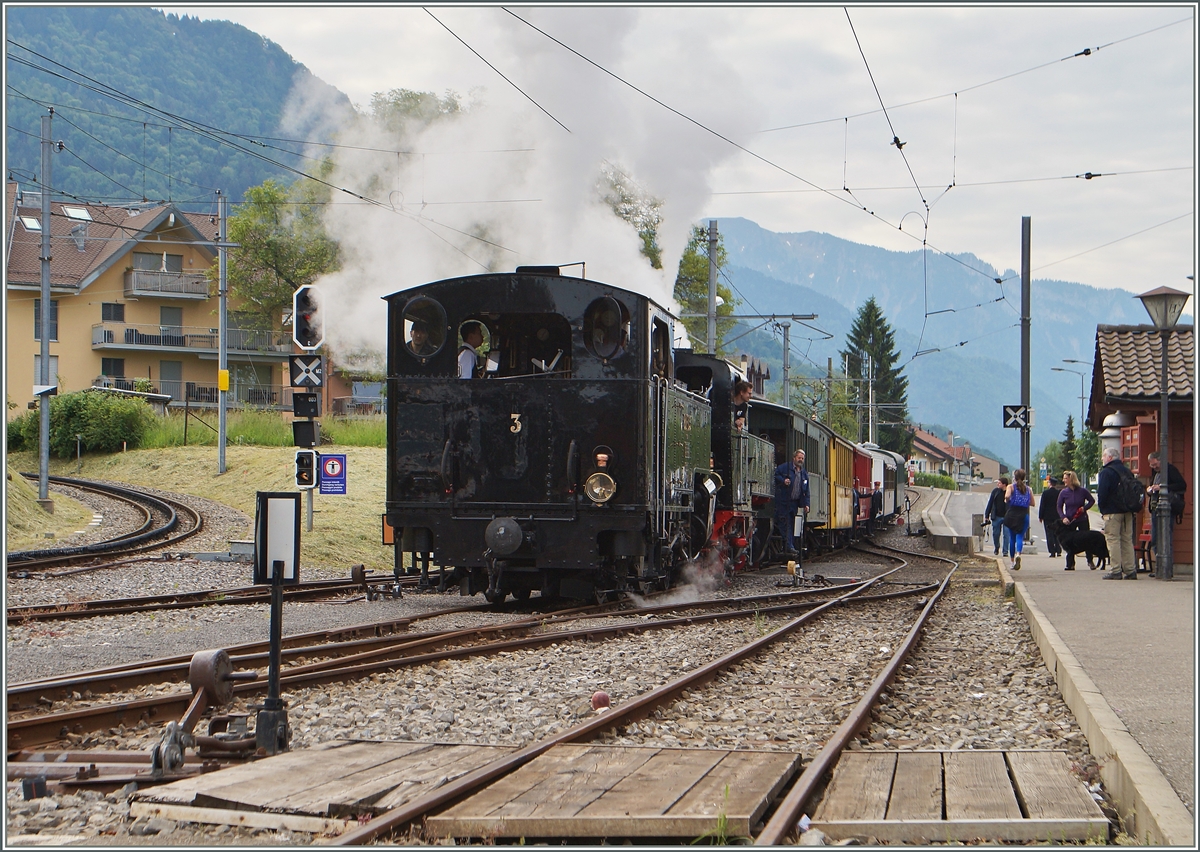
{"x":516,"y":423}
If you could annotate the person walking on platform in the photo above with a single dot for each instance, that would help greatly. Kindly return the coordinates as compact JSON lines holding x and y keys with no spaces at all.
{"x":994,"y":514}
{"x":791,"y":496}
{"x":1048,"y":515}
{"x":1118,"y":520}
{"x":1016,"y":519}
{"x":1073,"y":503}
{"x":876,"y":507}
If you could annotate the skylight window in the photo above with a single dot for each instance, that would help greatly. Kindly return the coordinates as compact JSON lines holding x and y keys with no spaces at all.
{"x":30,"y":223}
{"x":77,"y":213}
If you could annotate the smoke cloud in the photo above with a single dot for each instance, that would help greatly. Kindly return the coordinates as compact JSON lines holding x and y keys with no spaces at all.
{"x":500,"y":184}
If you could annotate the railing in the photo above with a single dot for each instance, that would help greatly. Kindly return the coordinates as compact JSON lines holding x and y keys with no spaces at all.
{"x":118,"y":382}
{"x":252,"y":396}
{"x":186,"y":285}
{"x":119,"y":335}
{"x":356,"y":405}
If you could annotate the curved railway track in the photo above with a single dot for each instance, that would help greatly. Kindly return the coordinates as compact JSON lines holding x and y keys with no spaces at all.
{"x":175,"y":520}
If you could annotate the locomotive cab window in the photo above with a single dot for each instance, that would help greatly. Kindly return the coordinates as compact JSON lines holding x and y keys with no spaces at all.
{"x":424,"y":328}
{"x":606,"y":328}
{"x":529,"y":345}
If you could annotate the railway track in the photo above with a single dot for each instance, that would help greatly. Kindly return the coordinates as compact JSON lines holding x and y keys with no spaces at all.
{"x":367,"y":658}
{"x":164,"y":522}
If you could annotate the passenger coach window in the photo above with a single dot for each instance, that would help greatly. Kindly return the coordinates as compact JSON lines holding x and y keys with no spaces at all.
{"x":424,"y":327}
{"x":606,"y":328}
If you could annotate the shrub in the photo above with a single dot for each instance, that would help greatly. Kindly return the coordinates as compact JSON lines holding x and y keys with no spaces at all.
{"x":103,"y":421}
{"x":935,"y":480}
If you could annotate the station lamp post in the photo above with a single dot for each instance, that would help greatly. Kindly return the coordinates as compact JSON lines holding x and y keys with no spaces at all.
{"x":1164,"y":305}
{"x":1082,"y":396}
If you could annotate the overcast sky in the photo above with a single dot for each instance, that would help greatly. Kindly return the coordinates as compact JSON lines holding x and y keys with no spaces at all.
{"x":1011,"y":147}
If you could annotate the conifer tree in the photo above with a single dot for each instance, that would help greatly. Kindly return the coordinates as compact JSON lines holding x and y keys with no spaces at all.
{"x":871,"y":348}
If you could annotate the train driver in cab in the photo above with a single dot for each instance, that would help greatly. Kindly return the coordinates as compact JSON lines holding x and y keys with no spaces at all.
{"x":741,"y":403}
{"x":468,"y":353}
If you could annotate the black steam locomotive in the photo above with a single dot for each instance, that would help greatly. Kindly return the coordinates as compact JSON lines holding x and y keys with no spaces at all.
{"x":575,"y":461}
{"x":585,"y":455}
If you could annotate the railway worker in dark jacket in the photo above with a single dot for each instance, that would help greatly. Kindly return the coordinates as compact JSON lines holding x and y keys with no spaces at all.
{"x":876,"y":507}
{"x":994,"y":514}
{"x":1073,"y":503}
{"x":1048,"y":515}
{"x":1176,"y":488}
{"x":791,"y":496}
{"x":1118,"y":524}
{"x":742,"y":391}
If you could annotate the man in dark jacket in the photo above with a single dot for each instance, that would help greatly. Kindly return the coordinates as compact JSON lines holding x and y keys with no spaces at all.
{"x":994,"y":514}
{"x":876,"y":507}
{"x":1118,"y":524}
{"x":1048,"y":515}
{"x":1176,"y":488}
{"x":791,"y":495}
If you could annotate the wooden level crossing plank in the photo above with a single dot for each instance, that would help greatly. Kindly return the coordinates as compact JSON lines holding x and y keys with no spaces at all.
{"x":1047,"y":790}
{"x":977,"y":786}
{"x":860,"y":787}
{"x":917,"y":786}
{"x":981,"y":798}
{"x":590,"y":791}
{"x":332,"y":779}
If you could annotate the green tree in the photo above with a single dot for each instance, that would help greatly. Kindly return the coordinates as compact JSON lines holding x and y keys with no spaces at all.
{"x":636,"y":206}
{"x":808,"y":395}
{"x":691,"y":290}
{"x":1056,"y":460}
{"x":1087,"y":455}
{"x":871,"y":348}
{"x":282,"y":245}
{"x":1068,"y":444}
{"x":404,"y":110}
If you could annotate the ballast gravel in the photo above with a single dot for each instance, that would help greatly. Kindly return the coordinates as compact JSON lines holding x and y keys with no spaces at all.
{"x":975,"y":681}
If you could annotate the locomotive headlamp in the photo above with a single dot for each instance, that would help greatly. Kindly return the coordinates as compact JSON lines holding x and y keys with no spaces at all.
{"x":600,"y":487}
{"x":713,"y":483}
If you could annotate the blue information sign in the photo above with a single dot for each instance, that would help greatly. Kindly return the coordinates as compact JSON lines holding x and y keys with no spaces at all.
{"x":333,"y":473}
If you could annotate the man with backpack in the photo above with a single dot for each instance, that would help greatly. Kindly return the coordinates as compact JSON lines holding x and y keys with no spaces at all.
{"x":1119,"y":497}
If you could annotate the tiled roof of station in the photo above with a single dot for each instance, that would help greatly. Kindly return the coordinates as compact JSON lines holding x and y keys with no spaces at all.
{"x":1129,"y":358}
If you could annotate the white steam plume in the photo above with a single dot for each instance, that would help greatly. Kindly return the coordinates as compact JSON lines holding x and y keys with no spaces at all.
{"x":532,"y":207}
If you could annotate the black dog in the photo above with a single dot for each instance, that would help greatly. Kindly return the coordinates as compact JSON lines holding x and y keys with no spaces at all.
{"x":1090,"y":542}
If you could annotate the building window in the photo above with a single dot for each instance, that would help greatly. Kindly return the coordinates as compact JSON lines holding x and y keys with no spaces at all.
{"x":114,"y":367}
{"x":112,"y":312}
{"x":153,"y":262}
{"x":31,"y":224}
{"x":37,"y":369}
{"x":37,"y":319}
{"x":171,"y":318}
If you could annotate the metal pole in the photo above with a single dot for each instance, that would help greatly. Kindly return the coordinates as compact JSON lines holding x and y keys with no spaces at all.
{"x":44,"y":331}
{"x":223,"y":325}
{"x":871,"y":433}
{"x":712,"y":286}
{"x":308,"y":522}
{"x":787,"y":364}
{"x":1026,"y":228}
{"x":1164,"y":568}
{"x":829,"y":392}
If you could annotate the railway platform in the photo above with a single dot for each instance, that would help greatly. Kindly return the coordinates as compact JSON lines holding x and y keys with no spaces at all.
{"x":1123,"y":655}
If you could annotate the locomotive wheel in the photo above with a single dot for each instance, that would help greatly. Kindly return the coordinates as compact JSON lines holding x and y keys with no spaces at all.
{"x":522,"y":594}
{"x":495,"y":597}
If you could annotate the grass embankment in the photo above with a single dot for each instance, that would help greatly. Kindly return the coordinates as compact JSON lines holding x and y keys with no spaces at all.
{"x":346,"y":529}
{"x":26,"y":524}
{"x":260,"y":429}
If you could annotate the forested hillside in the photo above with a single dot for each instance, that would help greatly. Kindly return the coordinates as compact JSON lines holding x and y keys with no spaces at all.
{"x":166,"y":73}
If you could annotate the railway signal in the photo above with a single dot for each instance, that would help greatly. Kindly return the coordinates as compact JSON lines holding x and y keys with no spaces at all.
{"x":308,"y":329}
{"x":306,"y":469}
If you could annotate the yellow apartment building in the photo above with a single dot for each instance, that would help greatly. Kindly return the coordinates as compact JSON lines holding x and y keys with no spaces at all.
{"x":129,"y":301}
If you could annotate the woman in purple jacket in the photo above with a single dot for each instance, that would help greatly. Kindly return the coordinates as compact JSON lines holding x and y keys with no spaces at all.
{"x":1073,"y":503}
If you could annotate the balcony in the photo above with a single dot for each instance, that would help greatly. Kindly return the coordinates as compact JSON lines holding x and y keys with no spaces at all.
{"x":172,"y":285}
{"x":197,"y":341}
